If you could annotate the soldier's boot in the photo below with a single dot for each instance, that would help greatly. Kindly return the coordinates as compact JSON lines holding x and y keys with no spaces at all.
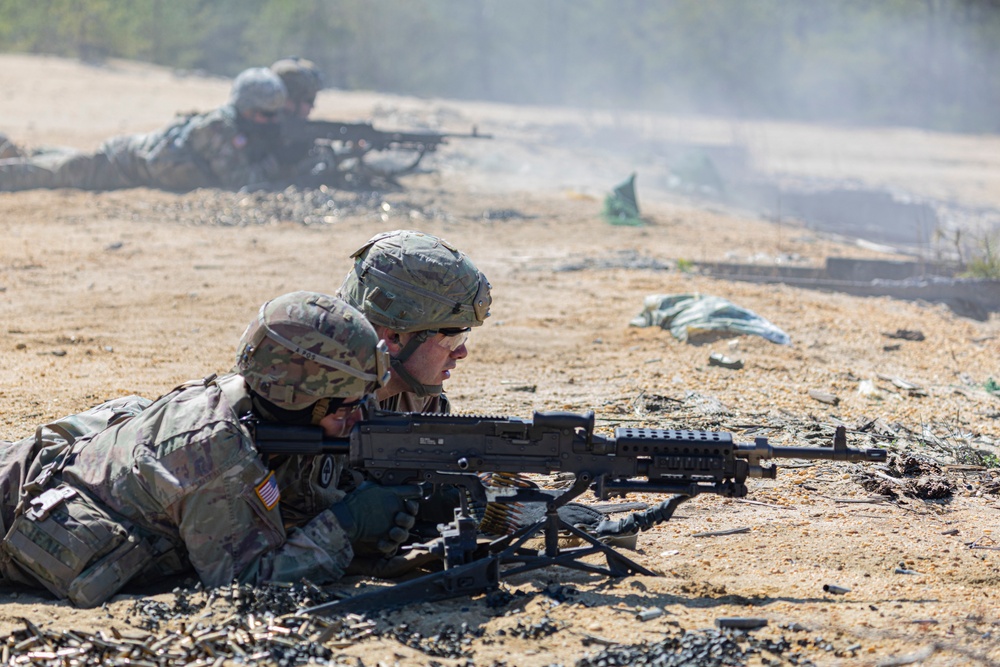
{"x":8,"y":149}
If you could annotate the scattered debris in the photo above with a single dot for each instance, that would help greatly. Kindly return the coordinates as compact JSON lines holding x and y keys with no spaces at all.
{"x":492,"y":214}
{"x":719,"y":533}
{"x":984,"y":542}
{"x":872,"y":499}
{"x":621,"y":207}
{"x":900,"y":383}
{"x":824,"y":397}
{"x":868,"y":388}
{"x":707,"y":648}
{"x":649,"y":614}
{"x":741,"y":623}
{"x":716,"y":359}
{"x":905,"y":334}
{"x":309,"y":207}
{"x":833,"y":589}
{"x":909,"y":476}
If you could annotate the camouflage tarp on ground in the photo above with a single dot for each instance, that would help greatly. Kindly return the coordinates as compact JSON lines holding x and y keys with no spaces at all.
{"x":695,"y":317}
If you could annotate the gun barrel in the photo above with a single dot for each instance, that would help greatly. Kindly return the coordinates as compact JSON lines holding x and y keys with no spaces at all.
{"x":822,"y":453}
{"x":282,"y":439}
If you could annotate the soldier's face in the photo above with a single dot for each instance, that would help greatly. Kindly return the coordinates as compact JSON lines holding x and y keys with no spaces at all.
{"x":338,"y":423}
{"x":264,"y":117}
{"x":434,"y":360}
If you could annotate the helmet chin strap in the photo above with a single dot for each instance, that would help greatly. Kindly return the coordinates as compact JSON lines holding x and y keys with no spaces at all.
{"x":397,"y":362}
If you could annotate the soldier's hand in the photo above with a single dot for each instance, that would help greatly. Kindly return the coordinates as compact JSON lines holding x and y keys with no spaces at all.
{"x":377,"y":519}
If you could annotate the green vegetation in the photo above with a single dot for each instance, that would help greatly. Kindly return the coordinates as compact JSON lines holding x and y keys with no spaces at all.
{"x":685,"y":265}
{"x":985,"y":262}
{"x":901,"y":62}
{"x":976,"y":457}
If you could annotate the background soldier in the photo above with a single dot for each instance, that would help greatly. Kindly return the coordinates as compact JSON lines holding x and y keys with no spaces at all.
{"x":230,"y":147}
{"x":178,"y":484}
{"x":303,"y":82}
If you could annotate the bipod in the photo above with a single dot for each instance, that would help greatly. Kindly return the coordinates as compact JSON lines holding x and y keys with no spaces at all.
{"x":618,"y":565}
{"x":466,"y":574}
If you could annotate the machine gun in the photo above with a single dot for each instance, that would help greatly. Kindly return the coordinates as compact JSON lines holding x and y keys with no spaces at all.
{"x":413,"y":448}
{"x":335,"y":143}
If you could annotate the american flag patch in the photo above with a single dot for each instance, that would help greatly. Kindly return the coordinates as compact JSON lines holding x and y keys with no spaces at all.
{"x":268,"y":491}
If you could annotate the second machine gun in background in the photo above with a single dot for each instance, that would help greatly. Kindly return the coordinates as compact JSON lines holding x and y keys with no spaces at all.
{"x":413,"y":448}
{"x":338,"y":149}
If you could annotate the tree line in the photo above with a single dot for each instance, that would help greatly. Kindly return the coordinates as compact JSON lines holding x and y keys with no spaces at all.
{"x":922,"y":63}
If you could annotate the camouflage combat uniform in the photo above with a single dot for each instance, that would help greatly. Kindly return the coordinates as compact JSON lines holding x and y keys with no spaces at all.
{"x":181,"y":486}
{"x":202,"y":150}
{"x":410,"y":402}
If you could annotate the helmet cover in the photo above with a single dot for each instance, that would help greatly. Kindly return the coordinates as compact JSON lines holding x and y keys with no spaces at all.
{"x":306,"y":346}
{"x":258,"y":89}
{"x":411,"y":281}
{"x":301,"y":77}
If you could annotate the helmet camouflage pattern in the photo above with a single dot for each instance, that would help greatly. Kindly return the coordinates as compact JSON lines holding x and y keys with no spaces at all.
{"x":301,"y":78}
{"x":258,"y":89}
{"x":306,"y":346}
{"x":411,"y":281}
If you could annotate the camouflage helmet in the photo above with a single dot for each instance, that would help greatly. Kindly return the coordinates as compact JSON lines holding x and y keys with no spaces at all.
{"x":258,"y":89}
{"x":301,"y":77}
{"x":306,"y":346}
{"x":411,"y":281}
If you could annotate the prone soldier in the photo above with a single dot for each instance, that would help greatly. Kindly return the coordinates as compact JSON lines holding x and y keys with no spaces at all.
{"x":231,"y":147}
{"x":133,"y":491}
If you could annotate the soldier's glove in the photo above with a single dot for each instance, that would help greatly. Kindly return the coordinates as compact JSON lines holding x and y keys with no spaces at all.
{"x":377,"y":519}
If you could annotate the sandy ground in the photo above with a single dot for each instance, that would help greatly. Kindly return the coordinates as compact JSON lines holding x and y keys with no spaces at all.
{"x":134,"y":291}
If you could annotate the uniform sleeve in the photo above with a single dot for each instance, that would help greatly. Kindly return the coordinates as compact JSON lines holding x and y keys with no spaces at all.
{"x":319,"y":552}
{"x":221,"y":149}
{"x":233,"y":530}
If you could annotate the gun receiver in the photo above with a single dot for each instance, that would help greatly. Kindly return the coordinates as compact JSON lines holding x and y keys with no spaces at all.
{"x":336,"y":143}
{"x":412,"y":448}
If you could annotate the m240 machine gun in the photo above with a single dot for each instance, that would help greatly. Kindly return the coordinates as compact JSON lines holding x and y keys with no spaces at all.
{"x":334,"y":144}
{"x":413,"y":448}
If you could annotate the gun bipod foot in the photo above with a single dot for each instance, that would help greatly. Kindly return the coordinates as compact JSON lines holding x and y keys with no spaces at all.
{"x":618,"y":565}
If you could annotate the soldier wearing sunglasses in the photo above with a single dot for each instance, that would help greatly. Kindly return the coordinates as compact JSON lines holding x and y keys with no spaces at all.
{"x":423,"y":297}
